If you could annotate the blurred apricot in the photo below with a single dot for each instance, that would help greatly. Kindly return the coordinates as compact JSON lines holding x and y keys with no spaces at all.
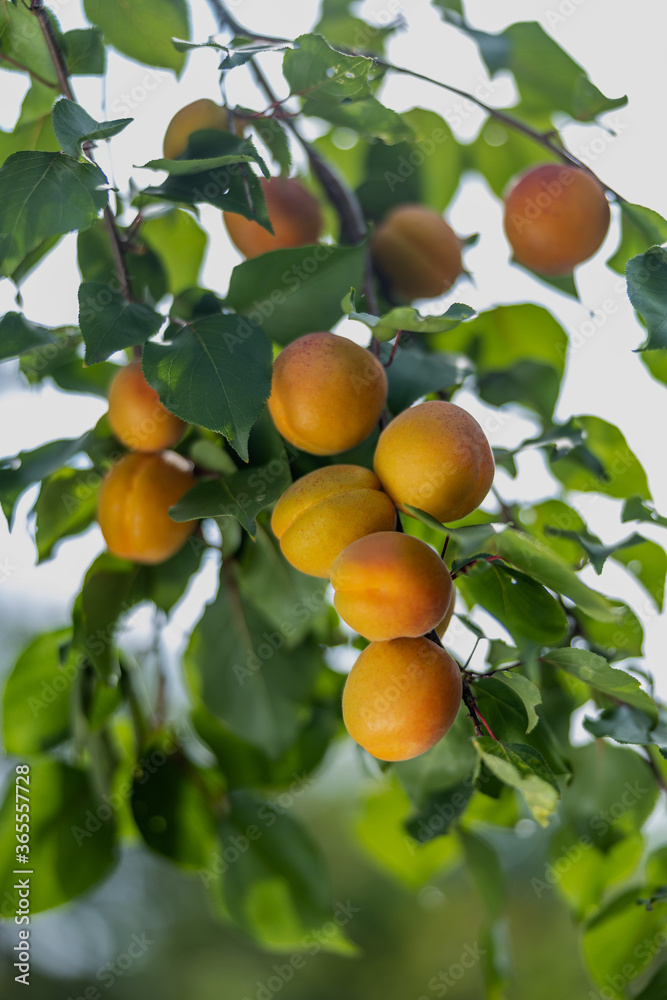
{"x":136,"y":415}
{"x":418,"y":253}
{"x":294,"y":214}
{"x":195,"y":117}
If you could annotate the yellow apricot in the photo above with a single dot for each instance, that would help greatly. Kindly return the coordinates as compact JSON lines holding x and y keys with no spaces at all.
{"x":401,"y":697}
{"x":134,"y":502}
{"x":327,"y":393}
{"x":555,"y":218}
{"x":418,"y":253}
{"x":136,"y":415}
{"x":324,"y":511}
{"x":435,"y":456}
{"x":388,"y":585}
{"x":294,"y":214}
{"x":201,"y":114}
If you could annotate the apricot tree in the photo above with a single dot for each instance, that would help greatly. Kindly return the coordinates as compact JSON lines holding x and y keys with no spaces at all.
{"x":299,"y":455}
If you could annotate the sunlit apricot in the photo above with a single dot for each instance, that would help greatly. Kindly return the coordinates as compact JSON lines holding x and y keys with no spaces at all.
{"x":327,"y":393}
{"x":555,"y":218}
{"x":401,"y":697}
{"x":134,"y":502}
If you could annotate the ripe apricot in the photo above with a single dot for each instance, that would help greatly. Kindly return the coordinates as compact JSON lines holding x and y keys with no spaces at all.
{"x":388,"y":585}
{"x":327,"y":393}
{"x":435,"y":456}
{"x":136,"y":415}
{"x":401,"y":697}
{"x":134,"y":502}
{"x":417,"y":251}
{"x":294,"y":213}
{"x":201,"y":114}
{"x":555,"y":218}
{"x":324,"y":511}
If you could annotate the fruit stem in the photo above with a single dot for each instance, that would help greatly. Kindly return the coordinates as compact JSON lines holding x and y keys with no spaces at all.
{"x":393,"y":348}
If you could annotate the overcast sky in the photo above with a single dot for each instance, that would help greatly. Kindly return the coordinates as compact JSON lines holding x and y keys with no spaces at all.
{"x":622,"y":54}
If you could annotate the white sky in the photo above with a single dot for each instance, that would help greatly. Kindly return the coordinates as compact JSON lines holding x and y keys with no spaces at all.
{"x":621,"y":54}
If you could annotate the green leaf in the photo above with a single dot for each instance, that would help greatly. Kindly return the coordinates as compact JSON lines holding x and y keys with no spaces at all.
{"x":44,"y":195}
{"x":501,"y":154}
{"x":519,"y":603}
{"x":595,"y":671}
{"x":36,"y":700}
{"x":66,"y":505}
{"x":635,"y":510}
{"x":615,"y":472}
{"x":74,"y":126}
{"x":166,"y":582}
{"x":239,"y":665}
{"x":597,"y":552}
{"x":485,"y":870}
{"x":22,"y":40}
{"x":180,"y":243}
{"x":647,"y":562}
{"x":85,"y":52}
{"x":110,"y":323}
{"x":173,"y":803}
{"x":531,"y":383}
{"x":626,"y":724}
{"x":528,"y":692}
{"x":292,"y":292}
{"x":439,"y":811}
{"x":641,"y":228}
{"x":71,"y":846}
{"x":146,"y":273}
{"x":537,"y":559}
{"x":409,"y":320}
{"x":105,"y":596}
{"x":242,"y":495}
{"x":656,"y":988}
{"x":28,"y":467}
{"x":336,"y":87}
{"x":414,"y":373}
{"x":144,"y":29}
{"x":621,"y":940}
{"x":614,"y":640}
{"x":278,"y":889}
{"x":522,"y":767}
{"x":18,"y":335}
{"x":215,"y":371}
{"x":647,"y":290}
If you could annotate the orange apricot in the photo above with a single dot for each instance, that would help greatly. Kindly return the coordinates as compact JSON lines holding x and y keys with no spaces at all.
{"x":294,"y":214}
{"x":136,"y":415}
{"x":418,"y":253}
{"x":388,"y":585}
{"x":324,"y":511}
{"x":555,"y":218}
{"x":201,"y":114}
{"x":401,"y":697}
{"x":134,"y":502}
{"x":327,"y":393}
{"x":435,"y":456}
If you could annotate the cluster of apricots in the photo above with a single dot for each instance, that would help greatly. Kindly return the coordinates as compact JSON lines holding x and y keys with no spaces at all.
{"x":340,"y":522}
{"x":328,"y":394}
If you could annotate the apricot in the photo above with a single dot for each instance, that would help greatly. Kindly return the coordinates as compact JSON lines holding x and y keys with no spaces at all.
{"x":401,"y":697}
{"x":134,"y":502}
{"x":388,"y":585}
{"x":555,"y":218}
{"x":201,"y":114}
{"x":294,"y":213}
{"x":435,"y":456}
{"x":324,"y":511}
{"x":418,"y":253}
{"x":136,"y":415}
{"x":327,"y":393}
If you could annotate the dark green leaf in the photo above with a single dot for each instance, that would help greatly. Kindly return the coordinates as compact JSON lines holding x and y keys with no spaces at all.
{"x":414,"y":373}
{"x":292,"y":292}
{"x":146,"y":273}
{"x":74,"y":126}
{"x":647,"y":289}
{"x":107,"y":594}
{"x":110,"y":323}
{"x":635,"y":510}
{"x":439,"y":811}
{"x":216,"y":372}
{"x":595,"y":671}
{"x":166,"y":582}
{"x":641,"y":228}
{"x":656,"y":989}
{"x":66,"y":505}
{"x":528,"y":692}
{"x":173,"y":803}
{"x":28,"y":467}
{"x":36,"y":701}
{"x":18,"y":335}
{"x":44,"y":195}
{"x":485,"y":870}
{"x":21,"y":40}
{"x":71,"y":845}
{"x":626,"y":724}
{"x":617,"y":471}
{"x":528,"y":382}
{"x":144,"y":30}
